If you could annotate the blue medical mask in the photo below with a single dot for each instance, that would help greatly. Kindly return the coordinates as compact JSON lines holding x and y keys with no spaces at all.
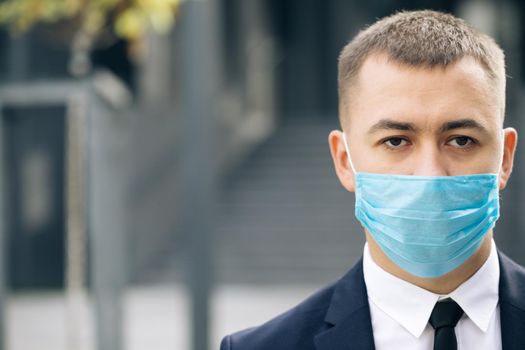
{"x":427,"y":225}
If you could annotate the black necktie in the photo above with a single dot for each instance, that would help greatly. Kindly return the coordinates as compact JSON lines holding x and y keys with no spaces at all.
{"x":443,"y":319}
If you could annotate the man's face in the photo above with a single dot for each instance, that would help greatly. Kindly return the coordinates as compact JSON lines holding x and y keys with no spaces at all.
{"x":421,"y":121}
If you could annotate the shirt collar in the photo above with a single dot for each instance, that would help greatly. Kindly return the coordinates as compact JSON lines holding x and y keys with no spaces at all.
{"x":411,"y":306}
{"x":478,"y":296}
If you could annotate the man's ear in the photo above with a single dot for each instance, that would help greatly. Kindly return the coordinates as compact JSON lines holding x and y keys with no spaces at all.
{"x":509,"y":149}
{"x":339,"y":156}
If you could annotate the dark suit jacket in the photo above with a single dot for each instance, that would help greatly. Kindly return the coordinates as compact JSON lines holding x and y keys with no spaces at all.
{"x":338,"y":317}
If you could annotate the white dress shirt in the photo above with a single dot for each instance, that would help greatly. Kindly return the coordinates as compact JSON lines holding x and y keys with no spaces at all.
{"x":400,"y":310}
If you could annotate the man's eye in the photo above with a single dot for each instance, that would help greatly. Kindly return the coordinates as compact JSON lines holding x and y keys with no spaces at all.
{"x":461,"y":142}
{"x":395,"y":142}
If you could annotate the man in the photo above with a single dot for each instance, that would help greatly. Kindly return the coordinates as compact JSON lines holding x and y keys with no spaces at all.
{"x":421,"y":100}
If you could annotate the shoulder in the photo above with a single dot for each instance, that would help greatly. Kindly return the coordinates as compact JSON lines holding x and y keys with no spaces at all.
{"x":294,"y":329}
{"x":512,"y":281}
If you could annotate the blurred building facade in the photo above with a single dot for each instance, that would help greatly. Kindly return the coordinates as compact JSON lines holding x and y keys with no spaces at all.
{"x":275,"y":67}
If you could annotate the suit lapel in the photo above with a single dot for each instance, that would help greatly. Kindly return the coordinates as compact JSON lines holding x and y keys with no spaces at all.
{"x":512,"y":304}
{"x":348,"y":316}
{"x":350,"y":326}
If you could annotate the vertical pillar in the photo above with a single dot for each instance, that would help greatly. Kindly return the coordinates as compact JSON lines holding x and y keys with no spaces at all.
{"x":197,"y":92}
{"x":3,"y":234}
{"x":76,"y":252}
{"x":106,"y":211}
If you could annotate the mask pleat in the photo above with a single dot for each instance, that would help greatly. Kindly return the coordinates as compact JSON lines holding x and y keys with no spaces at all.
{"x":427,"y":225}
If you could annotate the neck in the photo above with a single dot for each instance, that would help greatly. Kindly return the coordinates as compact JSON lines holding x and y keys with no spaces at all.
{"x":440,"y":285}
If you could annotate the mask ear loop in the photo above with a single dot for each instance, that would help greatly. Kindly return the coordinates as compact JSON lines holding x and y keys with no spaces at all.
{"x":348,"y":153}
{"x":500,"y":167}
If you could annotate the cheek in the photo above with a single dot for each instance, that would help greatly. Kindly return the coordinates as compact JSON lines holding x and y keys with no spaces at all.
{"x":372,"y":160}
{"x":486,"y":161}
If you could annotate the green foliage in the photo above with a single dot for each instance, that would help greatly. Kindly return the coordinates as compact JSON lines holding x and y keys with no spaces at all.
{"x":128,"y":18}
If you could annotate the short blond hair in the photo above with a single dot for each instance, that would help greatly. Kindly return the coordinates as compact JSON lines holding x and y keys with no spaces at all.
{"x":425,"y":39}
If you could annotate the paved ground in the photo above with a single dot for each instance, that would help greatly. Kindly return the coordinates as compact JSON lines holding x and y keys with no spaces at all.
{"x":155,"y":316}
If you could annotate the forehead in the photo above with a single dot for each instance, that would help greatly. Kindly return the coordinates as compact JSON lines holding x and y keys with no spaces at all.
{"x":387,"y":89}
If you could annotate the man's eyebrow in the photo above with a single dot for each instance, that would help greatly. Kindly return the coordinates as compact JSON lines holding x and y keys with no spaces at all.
{"x":462,"y":124}
{"x":389,"y":124}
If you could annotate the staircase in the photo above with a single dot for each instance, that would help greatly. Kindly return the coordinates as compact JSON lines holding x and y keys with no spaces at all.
{"x":283,"y":217}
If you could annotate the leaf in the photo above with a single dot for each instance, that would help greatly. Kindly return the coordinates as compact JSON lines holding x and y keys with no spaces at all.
{"x":130,"y":24}
{"x":131,"y":17}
